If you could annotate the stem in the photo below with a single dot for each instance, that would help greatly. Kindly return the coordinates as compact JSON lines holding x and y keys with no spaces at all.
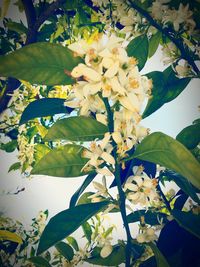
{"x":169,"y":33}
{"x":31,"y":20}
{"x":122,"y":198}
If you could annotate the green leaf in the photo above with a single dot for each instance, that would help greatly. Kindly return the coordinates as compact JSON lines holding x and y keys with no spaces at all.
{"x":154,"y":43}
{"x":40,"y":151}
{"x":64,"y":161}
{"x":166,"y":151}
{"x":80,"y":190}
{"x":173,"y":84}
{"x":17,"y":27}
{"x":160,"y":259}
{"x":188,"y":220}
{"x":66,"y":222}
{"x":166,"y":87}
{"x":72,"y":241}
{"x":15,"y":166}
{"x":138,"y":48}
{"x":7,"y":235}
{"x":44,"y":107}
{"x":77,"y":128}
{"x":10,"y":146}
{"x":84,"y":198}
{"x":87,"y":230}
{"x":114,"y":259}
{"x":190,"y":136}
{"x":184,"y":184}
{"x":39,"y":261}
{"x":40,"y":63}
{"x":150,"y":217}
{"x":65,"y":250}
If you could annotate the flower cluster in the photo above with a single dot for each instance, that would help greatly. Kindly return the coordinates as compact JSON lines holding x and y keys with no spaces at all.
{"x":109,"y":74}
{"x":26,"y":150}
{"x":178,"y":19}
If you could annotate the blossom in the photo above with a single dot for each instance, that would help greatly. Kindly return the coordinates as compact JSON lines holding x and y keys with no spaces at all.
{"x":183,"y":70}
{"x":147,"y":235}
{"x":141,"y":189}
{"x":158,"y":8}
{"x":99,"y":153}
{"x":170,"y":53}
{"x":102,"y":190}
{"x":106,"y":250}
{"x":182,"y":16}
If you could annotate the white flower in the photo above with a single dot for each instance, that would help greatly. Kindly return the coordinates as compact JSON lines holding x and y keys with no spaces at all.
{"x":148,"y":235}
{"x":99,"y":153}
{"x":106,"y":251}
{"x":141,"y":189}
{"x":102,"y":190}
{"x":170,"y":53}
{"x":158,"y":8}
{"x":182,"y":16}
{"x":183,"y":70}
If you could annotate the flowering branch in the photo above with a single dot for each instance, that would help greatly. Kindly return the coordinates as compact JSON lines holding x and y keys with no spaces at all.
{"x":122,"y":199}
{"x":169,"y":33}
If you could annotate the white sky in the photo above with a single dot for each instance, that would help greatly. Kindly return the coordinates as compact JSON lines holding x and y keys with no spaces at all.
{"x":54,"y":193}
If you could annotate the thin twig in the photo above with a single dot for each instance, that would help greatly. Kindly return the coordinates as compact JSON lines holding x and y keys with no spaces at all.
{"x":122,"y":199}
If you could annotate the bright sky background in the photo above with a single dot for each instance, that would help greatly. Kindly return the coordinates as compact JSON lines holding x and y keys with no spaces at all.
{"x":52,"y":193}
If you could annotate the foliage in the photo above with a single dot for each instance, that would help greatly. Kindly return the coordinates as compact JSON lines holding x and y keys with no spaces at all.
{"x":72,"y":99}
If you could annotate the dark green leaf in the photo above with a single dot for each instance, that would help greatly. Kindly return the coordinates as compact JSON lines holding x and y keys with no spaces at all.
{"x":188,"y":220}
{"x":77,"y":128}
{"x":173,"y":84}
{"x":114,"y":259}
{"x":66,"y":222}
{"x":72,"y":241}
{"x":40,"y":63}
{"x":168,"y":152}
{"x":184,"y":184}
{"x":166,"y":87}
{"x":190,"y":136}
{"x":15,"y":166}
{"x":65,"y":250}
{"x":31,"y":132}
{"x":150,"y":217}
{"x":10,"y":146}
{"x":17,"y":27}
{"x":80,"y":190}
{"x":138,"y":48}
{"x":39,"y":261}
{"x":154,"y":43}
{"x":44,"y":107}
{"x":180,"y":201}
{"x":160,"y":259}
{"x":185,"y":248}
{"x":87,"y":230}
{"x":65,"y":161}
